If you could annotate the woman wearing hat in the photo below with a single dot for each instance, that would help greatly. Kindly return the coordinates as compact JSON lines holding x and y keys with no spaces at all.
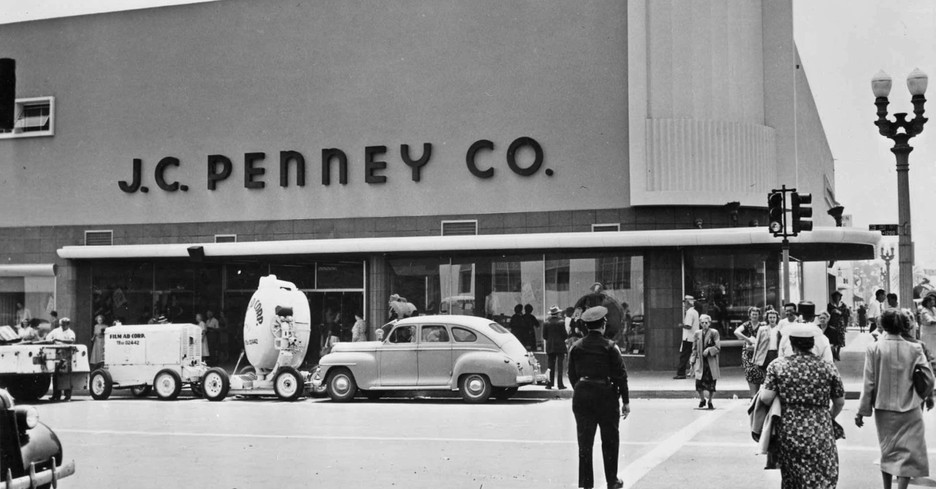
{"x":812,"y":395}
{"x":888,"y":391}
{"x":554,"y":336}
{"x":838,"y":323}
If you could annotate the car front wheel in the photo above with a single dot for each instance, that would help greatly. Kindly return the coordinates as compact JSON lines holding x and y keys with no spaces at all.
{"x":341,"y":386}
{"x":475,"y":388}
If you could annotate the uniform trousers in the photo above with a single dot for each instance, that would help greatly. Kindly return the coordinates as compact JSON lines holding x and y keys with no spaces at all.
{"x":595,"y":405}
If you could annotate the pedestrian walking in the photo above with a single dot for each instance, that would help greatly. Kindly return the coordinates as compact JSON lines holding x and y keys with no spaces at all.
{"x":806,"y":386}
{"x":767,"y":343}
{"x":928,"y":320}
{"x":530,"y":325}
{"x":875,"y":308}
{"x":888,"y":390}
{"x":705,"y":350}
{"x":689,"y":325}
{"x":839,"y":315}
{"x":554,"y":337}
{"x":747,"y":332}
{"x":599,"y":378}
{"x":862,"y":318}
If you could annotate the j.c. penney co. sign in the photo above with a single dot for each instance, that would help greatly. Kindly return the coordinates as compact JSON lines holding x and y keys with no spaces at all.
{"x":220,"y":167}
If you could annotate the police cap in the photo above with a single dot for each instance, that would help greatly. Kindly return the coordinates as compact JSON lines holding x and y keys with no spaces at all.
{"x":593,"y":316}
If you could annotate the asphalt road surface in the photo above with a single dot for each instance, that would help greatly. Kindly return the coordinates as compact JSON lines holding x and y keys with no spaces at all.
{"x":398,"y":443}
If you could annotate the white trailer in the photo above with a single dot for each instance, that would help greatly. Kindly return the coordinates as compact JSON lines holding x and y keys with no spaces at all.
{"x":276,"y":337}
{"x":27,"y":369}
{"x":162,"y":357}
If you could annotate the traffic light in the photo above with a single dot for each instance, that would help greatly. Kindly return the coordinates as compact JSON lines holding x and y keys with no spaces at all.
{"x":775,"y":213}
{"x":801,"y":205}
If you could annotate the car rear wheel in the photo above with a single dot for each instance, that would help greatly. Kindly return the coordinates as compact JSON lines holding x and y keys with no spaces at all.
{"x":288,"y":384}
{"x":141,"y":390}
{"x":167,"y":384}
{"x":504,"y":393}
{"x":341,"y":386}
{"x":475,"y":388}
{"x":101,"y":385}
{"x":215,"y":384}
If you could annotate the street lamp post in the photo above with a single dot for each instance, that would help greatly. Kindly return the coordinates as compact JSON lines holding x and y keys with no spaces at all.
{"x":900,"y":131}
{"x":887,"y":257}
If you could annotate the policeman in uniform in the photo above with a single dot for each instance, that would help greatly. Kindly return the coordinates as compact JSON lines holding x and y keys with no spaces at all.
{"x":596,"y":370}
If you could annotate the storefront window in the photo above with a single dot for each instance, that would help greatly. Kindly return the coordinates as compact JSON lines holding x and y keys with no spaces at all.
{"x":493,"y":286}
{"x":122,"y":292}
{"x":569,"y":279}
{"x":727,"y":283}
{"x":20,"y":294}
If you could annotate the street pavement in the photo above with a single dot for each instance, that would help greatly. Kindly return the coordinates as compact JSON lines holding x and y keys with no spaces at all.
{"x":416,"y":443}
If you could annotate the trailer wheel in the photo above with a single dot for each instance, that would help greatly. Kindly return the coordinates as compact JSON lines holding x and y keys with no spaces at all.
{"x":288,"y":384}
{"x":167,"y":384}
{"x":341,"y":385}
{"x":27,"y":387}
{"x":141,"y":390}
{"x":101,"y":385}
{"x":215,"y":384}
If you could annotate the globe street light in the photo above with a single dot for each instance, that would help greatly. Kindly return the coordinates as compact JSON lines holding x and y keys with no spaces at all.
{"x":900,"y":131}
{"x":887,"y":257}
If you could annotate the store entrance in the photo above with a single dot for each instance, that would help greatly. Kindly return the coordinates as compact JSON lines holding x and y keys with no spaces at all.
{"x":332,"y":313}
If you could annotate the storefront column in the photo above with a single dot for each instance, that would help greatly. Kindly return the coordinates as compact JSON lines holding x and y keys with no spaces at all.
{"x":377,"y":292}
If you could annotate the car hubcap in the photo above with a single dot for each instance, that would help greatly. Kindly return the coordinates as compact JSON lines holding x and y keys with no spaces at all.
{"x":341,"y":384}
{"x":98,"y":385}
{"x":475,"y":385}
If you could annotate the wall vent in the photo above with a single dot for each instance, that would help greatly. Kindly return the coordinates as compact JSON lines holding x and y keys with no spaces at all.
{"x":598,"y":228}
{"x":99,"y":238}
{"x":459,"y":228}
{"x":225,"y":238}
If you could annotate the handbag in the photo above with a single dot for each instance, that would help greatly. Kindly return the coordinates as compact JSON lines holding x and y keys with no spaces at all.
{"x":923,"y":381}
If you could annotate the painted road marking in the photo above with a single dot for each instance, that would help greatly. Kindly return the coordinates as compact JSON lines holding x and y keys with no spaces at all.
{"x":637,"y":469}
{"x":731,"y":445}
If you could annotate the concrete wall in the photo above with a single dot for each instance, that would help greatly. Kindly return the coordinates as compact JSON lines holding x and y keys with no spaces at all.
{"x":264,"y":76}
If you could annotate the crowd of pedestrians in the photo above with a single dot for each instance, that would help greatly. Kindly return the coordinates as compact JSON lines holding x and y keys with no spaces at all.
{"x":797,"y":391}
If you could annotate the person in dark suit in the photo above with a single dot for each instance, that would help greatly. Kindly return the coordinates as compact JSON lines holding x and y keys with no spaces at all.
{"x":554,"y":335}
{"x":597,"y":373}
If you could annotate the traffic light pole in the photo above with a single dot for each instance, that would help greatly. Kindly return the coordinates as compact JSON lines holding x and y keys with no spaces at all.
{"x":782,"y":226}
{"x":785,"y":245}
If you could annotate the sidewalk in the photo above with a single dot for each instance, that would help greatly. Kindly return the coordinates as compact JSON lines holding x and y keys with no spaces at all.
{"x":650,"y":384}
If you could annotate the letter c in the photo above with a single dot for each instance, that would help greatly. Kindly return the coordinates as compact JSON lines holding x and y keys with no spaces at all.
{"x":470,"y":158}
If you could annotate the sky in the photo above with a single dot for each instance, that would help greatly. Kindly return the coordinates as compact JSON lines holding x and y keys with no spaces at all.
{"x":842,"y":44}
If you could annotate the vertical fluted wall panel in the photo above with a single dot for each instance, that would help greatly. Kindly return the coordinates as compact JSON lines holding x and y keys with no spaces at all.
{"x":692,"y":155}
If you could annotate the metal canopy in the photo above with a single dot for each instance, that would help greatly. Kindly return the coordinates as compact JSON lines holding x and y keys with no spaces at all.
{"x":827,"y":243}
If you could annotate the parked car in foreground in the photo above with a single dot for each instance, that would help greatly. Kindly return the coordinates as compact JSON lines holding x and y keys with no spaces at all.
{"x":473,"y":355}
{"x":30,"y":452}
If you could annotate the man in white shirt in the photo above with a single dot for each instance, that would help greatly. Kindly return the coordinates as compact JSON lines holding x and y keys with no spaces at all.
{"x":690,"y":325}
{"x":875,"y":308}
{"x":790,"y":317}
{"x":61,"y":335}
{"x":821,"y":348}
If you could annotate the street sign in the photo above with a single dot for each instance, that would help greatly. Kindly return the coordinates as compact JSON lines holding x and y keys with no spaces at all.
{"x":885,"y":229}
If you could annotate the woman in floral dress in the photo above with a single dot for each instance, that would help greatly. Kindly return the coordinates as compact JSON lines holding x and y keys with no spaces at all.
{"x":747,"y":333}
{"x":806,"y":386}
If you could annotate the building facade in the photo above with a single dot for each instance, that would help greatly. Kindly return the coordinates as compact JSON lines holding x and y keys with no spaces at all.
{"x":469,"y":156}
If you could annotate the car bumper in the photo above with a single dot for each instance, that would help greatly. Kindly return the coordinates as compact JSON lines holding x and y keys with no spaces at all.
{"x":36,"y":479}
{"x":525,"y":379}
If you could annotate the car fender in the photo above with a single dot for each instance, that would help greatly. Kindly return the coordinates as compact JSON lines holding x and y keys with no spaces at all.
{"x":501,"y":373}
{"x":363,"y":365}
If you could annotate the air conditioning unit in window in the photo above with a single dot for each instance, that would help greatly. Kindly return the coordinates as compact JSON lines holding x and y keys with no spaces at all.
{"x":99,"y":238}
{"x":33,"y":117}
